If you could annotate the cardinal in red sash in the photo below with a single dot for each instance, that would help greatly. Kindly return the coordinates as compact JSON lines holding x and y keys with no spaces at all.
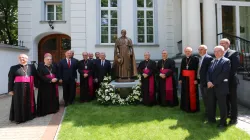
{"x":87,"y":76}
{"x":188,"y":81}
{"x":147,"y":69}
{"x":167,"y":82}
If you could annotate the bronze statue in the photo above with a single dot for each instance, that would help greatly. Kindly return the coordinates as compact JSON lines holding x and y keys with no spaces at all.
{"x":124,"y":59}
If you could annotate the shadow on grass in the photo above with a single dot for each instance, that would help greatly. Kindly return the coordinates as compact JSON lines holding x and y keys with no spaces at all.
{"x":83,"y":115}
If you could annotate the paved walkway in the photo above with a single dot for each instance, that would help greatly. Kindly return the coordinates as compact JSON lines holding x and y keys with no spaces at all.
{"x":45,"y":127}
{"x":31,"y":130}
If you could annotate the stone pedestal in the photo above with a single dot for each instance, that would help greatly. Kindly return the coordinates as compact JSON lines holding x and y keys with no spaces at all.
{"x":124,"y":88}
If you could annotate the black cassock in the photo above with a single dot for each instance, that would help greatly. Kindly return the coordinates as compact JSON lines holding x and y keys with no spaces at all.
{"x":48,"y":96}
{"x":86,"y":84}
{"x":189,"y":91}
{"x":22,"y":80}
{"x":148,"y":84}
{"x":167,"y":86}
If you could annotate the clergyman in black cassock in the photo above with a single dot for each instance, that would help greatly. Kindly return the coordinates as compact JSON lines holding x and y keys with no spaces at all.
{"x":188,"y":80}
{"x":21,"y":86}
{"x":48,"y":94}
{"x":167,"y":82}
{"x":86,"y":70}
{"x":147,"y":69}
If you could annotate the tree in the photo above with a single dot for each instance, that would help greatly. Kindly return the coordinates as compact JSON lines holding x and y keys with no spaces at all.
{"x":8,"y":21}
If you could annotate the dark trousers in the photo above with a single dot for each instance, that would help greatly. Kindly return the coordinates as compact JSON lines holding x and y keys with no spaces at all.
{"x":232,"y":102}
{"x":221,"y":99}
{"x":69,"y":91}
{"x":203,"y":91}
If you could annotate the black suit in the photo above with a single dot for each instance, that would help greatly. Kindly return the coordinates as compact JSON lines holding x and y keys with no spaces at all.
{"x":234,"y":58}
{"x":102,"y":70}
{"x":69,"y":76}
{"x":203,"y":78}
{"x":218,"y":74}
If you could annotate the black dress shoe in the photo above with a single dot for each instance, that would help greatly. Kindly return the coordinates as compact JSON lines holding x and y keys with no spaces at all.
{"x":232,"y":122}
{"x":222,"y":125}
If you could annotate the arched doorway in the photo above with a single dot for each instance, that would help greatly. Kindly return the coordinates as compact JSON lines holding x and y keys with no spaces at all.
{"x":56,"y":44}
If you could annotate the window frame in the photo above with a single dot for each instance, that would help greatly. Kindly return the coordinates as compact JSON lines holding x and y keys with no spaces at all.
{"x":55,"y":4}
{"x":145,"y":9}
{"x":44,"y":9}
{"x":99,"y":18}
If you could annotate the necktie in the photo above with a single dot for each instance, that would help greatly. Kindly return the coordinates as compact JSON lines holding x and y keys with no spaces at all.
{"x":69,"y":63}
{"x":102,"y":63}
{"x":214,"y":64}
{"x":199,"y":68}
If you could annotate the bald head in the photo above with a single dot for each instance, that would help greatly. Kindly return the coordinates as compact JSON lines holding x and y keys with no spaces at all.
{"x":188,"y":51}
{"x":23,"y":59}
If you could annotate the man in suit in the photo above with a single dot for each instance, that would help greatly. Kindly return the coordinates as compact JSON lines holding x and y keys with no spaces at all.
{"x":204,"y":63}
{"x":234,"y":58}
{"x":217,"y":84}
{"x":68,"y":77}
{"x":103,"y":68}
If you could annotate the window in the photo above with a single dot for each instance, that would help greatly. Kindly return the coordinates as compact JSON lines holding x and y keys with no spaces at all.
{"x":108,"y":21}
{"x":54,"y":11}
{"x":145,"y":21}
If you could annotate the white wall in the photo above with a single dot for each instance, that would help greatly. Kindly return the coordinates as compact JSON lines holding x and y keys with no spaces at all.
{"x":32,"y":27}
{"x":165,"y":24}
{"x":78,"y":26}
{"x":10,"y":54}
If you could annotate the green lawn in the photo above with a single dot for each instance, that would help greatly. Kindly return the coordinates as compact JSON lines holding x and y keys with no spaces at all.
{"x":91,"y":121}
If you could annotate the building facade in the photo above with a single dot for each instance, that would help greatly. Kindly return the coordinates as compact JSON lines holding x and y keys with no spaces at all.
{"x":153,"y":25}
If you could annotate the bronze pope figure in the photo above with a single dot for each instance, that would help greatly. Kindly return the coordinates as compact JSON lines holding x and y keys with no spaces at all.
{"x":124,"y":59}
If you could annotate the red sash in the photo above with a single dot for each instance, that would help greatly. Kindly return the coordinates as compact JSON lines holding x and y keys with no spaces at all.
{"x":169,"y":85}
{"x":51,"y":77}
{"x":192,"y":88}
{"x":151,"y":85}
{"x":90,"y":83}
{"x":29,"y":79}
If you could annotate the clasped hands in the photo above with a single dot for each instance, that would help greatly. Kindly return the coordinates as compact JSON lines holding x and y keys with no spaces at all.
{"x":85,"y":75}
{"x":145,"y":75}
{"x":54,"y":80}
{"x":163,"y":76}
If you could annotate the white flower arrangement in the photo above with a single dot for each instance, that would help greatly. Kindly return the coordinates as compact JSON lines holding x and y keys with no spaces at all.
{"x":106,"y":94}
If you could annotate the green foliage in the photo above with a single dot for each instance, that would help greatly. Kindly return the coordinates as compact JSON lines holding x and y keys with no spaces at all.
{"x":8,"y":22}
